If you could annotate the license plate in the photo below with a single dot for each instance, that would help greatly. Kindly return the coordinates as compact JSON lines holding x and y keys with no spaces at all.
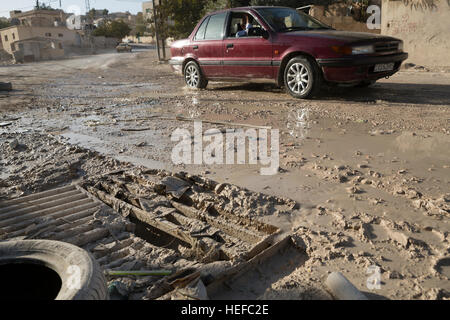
{"x":384,"y":67}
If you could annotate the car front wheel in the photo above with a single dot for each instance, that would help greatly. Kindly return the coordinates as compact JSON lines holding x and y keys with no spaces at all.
{"x":302,"y":78}
{"x":194,"y":77}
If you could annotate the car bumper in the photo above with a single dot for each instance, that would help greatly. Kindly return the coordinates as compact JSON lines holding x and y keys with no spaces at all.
{"x":357,"y":69}
{"x":176,"y":65}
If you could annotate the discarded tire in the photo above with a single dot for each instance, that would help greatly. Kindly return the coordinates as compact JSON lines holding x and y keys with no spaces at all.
{"x":49,"y":270}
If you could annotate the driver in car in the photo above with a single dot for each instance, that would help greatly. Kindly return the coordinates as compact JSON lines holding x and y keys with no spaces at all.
{"x":245,"y":22}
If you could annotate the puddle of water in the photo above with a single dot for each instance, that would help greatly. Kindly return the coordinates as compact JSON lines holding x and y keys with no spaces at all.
{"x":86,"y":141}
{"x":148,"y":163}
{"x":101,"y":146}
{"x":437,"y":145}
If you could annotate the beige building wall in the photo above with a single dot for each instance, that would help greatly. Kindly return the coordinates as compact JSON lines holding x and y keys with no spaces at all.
{"x":424,"y":30}
{"x":338,"y":20}
{"x":40,"y":18}
{"x":16,"y":33}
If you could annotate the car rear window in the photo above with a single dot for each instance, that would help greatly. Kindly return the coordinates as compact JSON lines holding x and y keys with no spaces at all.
{"x":214,"y":30}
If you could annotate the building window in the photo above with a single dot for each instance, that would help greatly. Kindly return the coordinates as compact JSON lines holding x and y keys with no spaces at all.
{"x":14,"y":36}
{"x":6,"y":38}
{"x":60,"y":35}
{"x":48,"y":34}
{"x":60,"y":45}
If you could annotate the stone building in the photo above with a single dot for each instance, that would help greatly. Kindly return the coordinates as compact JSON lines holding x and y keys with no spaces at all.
{"x":38,"y":35}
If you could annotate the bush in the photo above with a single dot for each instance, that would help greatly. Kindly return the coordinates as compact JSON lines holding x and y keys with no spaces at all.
{"x":113,"y":29}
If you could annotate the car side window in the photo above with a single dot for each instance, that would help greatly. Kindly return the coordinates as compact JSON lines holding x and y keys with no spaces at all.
{"x":214,"y":30}
{"x":237,"y":25}
{"x":200,"y":35}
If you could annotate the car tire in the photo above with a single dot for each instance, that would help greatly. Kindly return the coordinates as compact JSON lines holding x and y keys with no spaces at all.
{"x":302,"y":78}
{"x":33,"y":267}
{"x":193,"y":76}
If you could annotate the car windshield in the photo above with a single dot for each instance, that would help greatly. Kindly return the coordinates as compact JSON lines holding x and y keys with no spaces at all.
{"x":286,"y":20}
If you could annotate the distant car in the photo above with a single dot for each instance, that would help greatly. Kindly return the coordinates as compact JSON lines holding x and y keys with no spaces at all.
{"x":291,"y":48}
{"x":124,"y":47}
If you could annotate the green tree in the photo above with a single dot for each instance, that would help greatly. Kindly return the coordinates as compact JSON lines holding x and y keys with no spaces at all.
{"x":185,"y":16}
{"x":92,"y":13}
{"x":141,"y":27}
{"x":176,"y":18}
{"x":214,"y":5}
{"x":43,"y":6}
{"x":105,"y":12}
{"x":4,"y":24}
{"x":282,"y":3}
{"x":113,"y":29}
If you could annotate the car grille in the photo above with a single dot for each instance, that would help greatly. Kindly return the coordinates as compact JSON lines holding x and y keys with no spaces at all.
{"x":386,"y":47}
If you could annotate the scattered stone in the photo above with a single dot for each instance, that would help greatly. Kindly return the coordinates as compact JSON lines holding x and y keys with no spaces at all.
{"x":14,"y":144}
{"x":218,"y":189}
{"x":398,"y":190}
{"x":353,"y":190}
{"x":141,"y":144}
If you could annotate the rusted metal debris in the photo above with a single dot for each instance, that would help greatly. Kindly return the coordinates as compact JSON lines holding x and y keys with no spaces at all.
{"x":146,"y":221}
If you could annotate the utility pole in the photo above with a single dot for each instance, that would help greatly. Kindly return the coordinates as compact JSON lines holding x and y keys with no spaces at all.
{"x":155,"y":18}
{"x":88,"y":30}
{"x":163,"y":40}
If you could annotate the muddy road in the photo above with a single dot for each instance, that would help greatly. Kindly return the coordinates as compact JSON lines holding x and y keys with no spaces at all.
{"x":370,"y":168}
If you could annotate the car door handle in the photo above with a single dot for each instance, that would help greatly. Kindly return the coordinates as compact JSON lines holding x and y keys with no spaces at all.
{"x":195,"y":47}
{"x":230,"y":45}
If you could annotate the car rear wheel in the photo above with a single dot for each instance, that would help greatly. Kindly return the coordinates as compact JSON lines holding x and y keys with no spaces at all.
{"x":302,"y":78}
{"x":193,"y":76}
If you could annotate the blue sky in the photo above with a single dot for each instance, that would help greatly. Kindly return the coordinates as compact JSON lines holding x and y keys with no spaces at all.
{"x":133,"y":6}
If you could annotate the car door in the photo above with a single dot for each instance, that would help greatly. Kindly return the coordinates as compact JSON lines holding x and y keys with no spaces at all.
{"x":207,"y":45}
{"x":247,"y":57}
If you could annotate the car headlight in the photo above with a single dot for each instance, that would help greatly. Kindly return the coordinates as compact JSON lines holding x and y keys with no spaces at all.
{"x":363,"y":49}
{"x":400,"y":46}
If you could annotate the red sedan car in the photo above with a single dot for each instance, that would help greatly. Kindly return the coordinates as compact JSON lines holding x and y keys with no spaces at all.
{"x":289,"y":47}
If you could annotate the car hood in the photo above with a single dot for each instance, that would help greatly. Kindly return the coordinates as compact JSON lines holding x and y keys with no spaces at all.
{"x":344,"y":36}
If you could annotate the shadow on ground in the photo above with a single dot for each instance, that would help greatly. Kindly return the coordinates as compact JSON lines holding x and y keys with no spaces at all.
{"x":434,"y":94}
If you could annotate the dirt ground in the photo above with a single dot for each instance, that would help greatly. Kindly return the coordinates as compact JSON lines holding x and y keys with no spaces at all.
{"x":369,"y":168}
